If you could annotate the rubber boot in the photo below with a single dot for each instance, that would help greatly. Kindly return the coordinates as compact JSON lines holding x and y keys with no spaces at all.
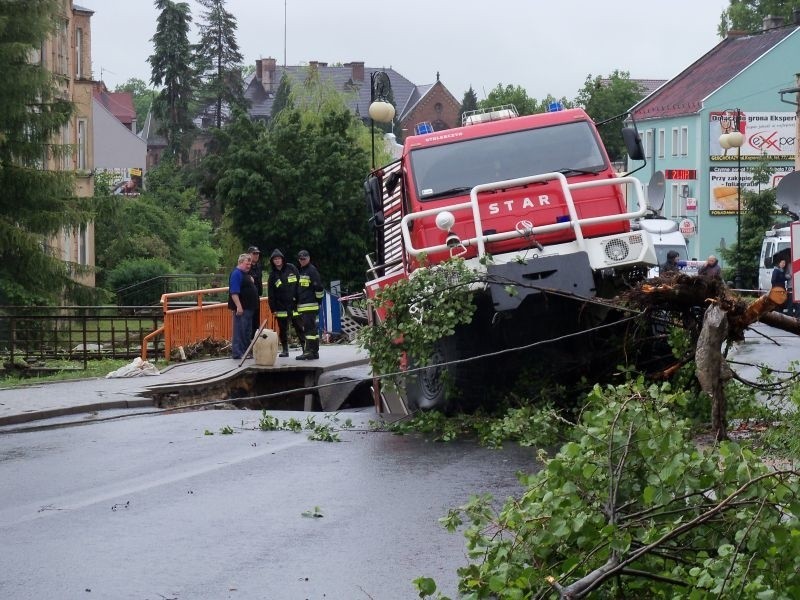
{"x":311,"y":352}
{"x":285,"y":351}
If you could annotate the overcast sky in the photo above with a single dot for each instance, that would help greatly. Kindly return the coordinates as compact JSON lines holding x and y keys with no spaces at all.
{"x":545,"y":46}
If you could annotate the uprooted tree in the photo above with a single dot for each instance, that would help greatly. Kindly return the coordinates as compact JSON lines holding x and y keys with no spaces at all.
{"x":724,"y":320}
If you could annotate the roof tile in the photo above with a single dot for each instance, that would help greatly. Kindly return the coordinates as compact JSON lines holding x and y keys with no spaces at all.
{"x":684,"y":94}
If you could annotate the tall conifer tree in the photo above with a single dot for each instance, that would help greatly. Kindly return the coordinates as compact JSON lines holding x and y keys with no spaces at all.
{"x":468,"y":103}
{"x":218,"y":60}
{"x":171,"y":66}
{"x":36,"y":203}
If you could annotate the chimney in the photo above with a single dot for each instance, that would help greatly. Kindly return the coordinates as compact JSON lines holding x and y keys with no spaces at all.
{"x":357,"y":70}
{"x":268,"y":74}
{"x":258,"y":69}
{"x":771,"y":22}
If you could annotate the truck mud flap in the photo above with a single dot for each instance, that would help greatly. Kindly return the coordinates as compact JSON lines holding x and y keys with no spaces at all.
{"x":570,"y":273}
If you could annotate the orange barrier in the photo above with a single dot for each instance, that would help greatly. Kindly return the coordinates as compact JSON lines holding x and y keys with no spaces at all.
{"x":190,"y":324}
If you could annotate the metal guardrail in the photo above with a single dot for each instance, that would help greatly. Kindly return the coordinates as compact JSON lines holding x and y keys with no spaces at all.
{"x":575,"y":223}
{"x":149,"y":292}
{"x":204,"y":315}
{"x":75,"y":332}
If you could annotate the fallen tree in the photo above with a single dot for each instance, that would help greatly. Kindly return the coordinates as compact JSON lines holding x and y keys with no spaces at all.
{"x":725,"y":319}
{"x":631,"y":508}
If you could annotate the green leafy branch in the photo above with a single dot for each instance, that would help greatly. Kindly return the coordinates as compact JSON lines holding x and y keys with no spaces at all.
{"x":630,"y":507}
{"x":418,"y":311}
{"x":320,"y":432}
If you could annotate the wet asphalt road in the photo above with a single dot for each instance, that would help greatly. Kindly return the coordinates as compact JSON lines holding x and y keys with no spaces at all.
{"x":151,"y":508}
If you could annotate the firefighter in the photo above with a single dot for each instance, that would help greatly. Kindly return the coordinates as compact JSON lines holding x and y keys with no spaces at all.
{"x":256,"y":272}
{"x":309,"y":296}
{"x":282,"y":298}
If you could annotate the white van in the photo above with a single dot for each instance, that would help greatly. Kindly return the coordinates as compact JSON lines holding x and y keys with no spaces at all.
{"x":775,"y":240}
{"x":666,"y":237}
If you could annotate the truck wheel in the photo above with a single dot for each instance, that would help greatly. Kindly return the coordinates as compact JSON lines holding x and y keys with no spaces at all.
{"x":425,"y":389}
{"x":450,"y":387}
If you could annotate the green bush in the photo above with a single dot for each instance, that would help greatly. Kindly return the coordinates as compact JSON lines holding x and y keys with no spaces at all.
{"x":138,"y":270}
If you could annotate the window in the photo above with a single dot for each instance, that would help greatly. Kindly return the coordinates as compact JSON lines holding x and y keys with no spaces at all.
{"x":684,"y":141}
{"x":648,"y":143}
{"x":83,"y":243}
{"x":66,"y":147}
{"x":676,"y":200}
{"x":79,"y":53}
{"x":661,"y":143}
{"x":453,"y":169}
{"x":61,"y":49}
{"x":81,"y":149}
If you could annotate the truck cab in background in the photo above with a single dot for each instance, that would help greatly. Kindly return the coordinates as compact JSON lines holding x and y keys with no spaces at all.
{"x":777,"y":245}
{"x":666,"y":237}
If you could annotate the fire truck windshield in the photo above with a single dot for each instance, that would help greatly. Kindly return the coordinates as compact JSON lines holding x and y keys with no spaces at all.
{"x":451,"y":169}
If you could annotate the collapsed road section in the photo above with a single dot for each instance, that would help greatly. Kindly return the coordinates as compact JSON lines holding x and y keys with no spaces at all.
{"x":339,"y":380}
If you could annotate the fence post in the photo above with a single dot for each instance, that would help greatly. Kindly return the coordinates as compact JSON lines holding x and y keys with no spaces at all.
{"x":85,"y":349}
{"x":12,"y":335}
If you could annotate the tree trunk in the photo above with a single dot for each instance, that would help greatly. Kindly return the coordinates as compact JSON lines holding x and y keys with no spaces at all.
{"x":711,"y":368}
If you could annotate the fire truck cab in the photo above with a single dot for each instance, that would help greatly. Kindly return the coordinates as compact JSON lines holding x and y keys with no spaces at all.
{"x":531,"y":199}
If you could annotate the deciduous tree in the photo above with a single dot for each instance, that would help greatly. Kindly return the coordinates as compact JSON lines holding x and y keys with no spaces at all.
{"x":299,"y":185}
{"x":748,"y":15}
{"x":511,"y":94}
{"x":283,"y":95}
{"x":606,"y":97}
{"x":142,"y":97}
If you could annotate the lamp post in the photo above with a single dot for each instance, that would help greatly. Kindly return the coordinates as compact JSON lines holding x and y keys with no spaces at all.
{"x":380,"y":109}
{"x":735,"y":139}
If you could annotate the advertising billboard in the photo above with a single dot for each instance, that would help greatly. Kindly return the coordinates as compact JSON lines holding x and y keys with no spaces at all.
{"x":724,"y":185}
{"x":769,"y":135}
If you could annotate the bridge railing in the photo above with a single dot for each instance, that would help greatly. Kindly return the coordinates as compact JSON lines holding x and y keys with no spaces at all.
{"x":193,"y":316}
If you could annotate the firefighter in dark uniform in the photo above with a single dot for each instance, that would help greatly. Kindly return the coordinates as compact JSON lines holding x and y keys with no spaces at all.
{"x":309,"y":296}
{"x":282,"y":298}
{"x":256,"y":272}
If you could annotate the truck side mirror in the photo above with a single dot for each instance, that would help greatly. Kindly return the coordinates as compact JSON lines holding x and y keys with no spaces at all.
{"x":633,"y":143}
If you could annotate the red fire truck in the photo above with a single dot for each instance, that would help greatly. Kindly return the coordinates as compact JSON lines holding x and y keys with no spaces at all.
{"x":529,"y":200}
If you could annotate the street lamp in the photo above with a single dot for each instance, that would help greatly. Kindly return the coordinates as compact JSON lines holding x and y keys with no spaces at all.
{"x":735,"y":139}
{"x":380,"y":109}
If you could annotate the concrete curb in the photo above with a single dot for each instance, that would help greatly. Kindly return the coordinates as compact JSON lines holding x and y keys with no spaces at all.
{"x":37,"y":415}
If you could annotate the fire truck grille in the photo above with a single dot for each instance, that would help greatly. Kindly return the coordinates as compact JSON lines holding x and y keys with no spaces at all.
{"x":617,"y":250}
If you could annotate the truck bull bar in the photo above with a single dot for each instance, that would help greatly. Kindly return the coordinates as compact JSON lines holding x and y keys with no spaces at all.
{"x":576,"y":224}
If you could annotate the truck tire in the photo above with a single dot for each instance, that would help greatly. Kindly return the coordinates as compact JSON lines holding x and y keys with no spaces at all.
{"x":448,"y":387}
